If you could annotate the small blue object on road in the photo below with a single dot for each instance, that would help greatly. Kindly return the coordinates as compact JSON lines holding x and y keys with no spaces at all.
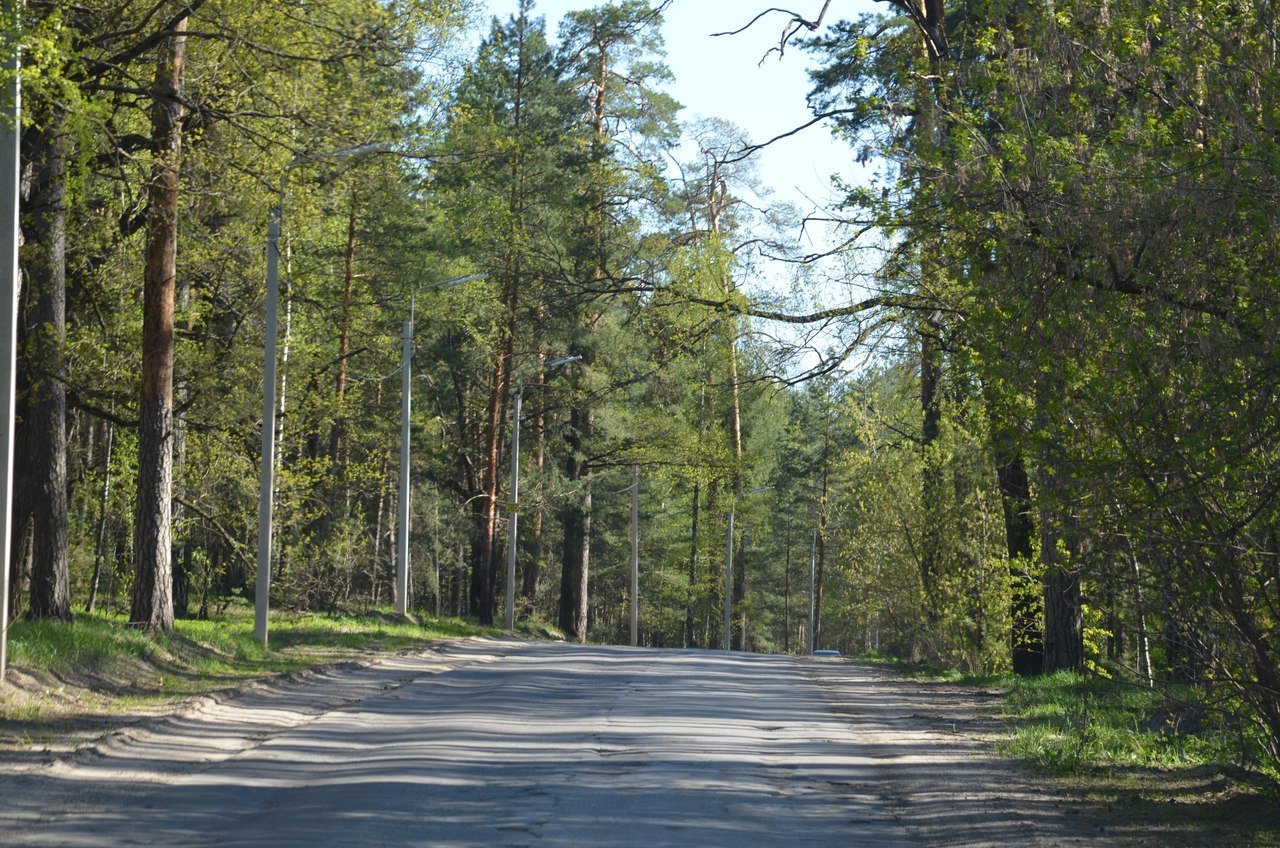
{"x":826,"y":653}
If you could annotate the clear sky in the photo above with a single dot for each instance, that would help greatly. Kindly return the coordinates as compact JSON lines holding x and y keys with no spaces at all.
{"x":723,"y":77}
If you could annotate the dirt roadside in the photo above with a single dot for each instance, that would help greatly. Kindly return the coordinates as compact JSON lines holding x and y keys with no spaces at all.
{"x":937,"y":744}
{"x":87,"y":717}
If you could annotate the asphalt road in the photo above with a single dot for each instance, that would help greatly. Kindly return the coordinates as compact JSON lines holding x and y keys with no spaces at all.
{"x":541,"y":744}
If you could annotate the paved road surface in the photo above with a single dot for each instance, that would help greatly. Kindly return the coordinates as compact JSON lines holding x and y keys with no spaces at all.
{"x":508,"y":743}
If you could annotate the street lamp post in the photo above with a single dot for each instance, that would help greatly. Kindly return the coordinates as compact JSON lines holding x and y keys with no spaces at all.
{"x":728,"y":570}
{"x":635,"y":555}
{"x":406,"y":402}
{"x":513,"y":502}
{"x":9,"y":182}
{"x":266,"y":474}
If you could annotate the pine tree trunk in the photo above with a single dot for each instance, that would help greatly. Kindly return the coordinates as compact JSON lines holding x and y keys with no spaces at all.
{"x":484,"y":561}
{"x":576,"y":517}
{"x":738,"y":591}
{"x":690,"y":636}
{"x":45,"y":439}
{"x":153,"y":581}
{"x":786,"y":598}
{"x":821,"y":557}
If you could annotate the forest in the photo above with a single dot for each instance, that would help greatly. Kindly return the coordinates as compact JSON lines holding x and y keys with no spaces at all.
{"x":1024,"y":417}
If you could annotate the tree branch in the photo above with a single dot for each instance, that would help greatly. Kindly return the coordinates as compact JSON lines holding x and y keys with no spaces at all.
{"x":789,"y":31}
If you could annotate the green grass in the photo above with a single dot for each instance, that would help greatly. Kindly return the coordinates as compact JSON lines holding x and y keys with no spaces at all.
{"x":1072,"y":723}
{"x":101,"y":652}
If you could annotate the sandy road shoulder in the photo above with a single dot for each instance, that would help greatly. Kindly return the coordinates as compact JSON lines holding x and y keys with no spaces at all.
{"x":206,"y":729}
{"x":934,"y":745}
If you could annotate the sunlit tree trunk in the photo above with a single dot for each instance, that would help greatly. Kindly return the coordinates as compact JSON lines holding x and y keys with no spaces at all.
{"x":153,"y":579}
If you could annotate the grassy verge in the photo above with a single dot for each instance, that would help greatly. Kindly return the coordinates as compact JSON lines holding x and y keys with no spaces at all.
{"x":73,"y":672}
{"x":1152,"y":761}
{"x":1156,"y":756}
{"x":1071,"y":723}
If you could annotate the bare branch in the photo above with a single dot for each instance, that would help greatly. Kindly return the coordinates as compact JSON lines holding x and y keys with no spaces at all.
{"x":749,"y":149}
{"x":878,"y":302}
{"x":789,"y":31}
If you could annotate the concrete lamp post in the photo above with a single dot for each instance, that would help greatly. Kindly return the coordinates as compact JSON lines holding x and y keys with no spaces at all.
{"x":9,"y":183}
{"x":635,"y":555}
{"x":406,"y":402}
{"x":728,"y":570}
{"x":266,"y":474}
{"x":513,"y":502}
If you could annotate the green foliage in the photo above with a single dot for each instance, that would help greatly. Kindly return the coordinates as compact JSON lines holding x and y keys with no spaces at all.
{"x":1083,"y":199}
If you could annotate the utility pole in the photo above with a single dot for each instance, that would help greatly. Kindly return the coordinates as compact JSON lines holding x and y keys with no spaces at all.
{"x":9,"y":166}
{"x":635,"y":555}
{"x":402,"y":506}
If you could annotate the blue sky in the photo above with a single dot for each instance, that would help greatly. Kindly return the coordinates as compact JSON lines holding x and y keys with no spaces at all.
{"x":723,"y":77}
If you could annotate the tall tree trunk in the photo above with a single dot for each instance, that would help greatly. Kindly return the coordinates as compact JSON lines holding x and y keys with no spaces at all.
{"x":739,"y":589}
{"x":931,"y":484}
{"x":576,"y":519}
{"x":484,"y":562}
{"x":820,"y":566}
{"x":690,"y":637}
{"x":1063,"y":614}
{"x":46,"y":435}
{"x":153,"y":581}
{"x":1026,"y":637}
{"x":786,"y":598}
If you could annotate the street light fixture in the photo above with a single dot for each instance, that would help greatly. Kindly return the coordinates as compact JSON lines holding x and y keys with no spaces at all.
{"x":266,"y":474}
{"x":513,"y":504}
{"x":406,"y":394}
{"x":728,"y":569}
